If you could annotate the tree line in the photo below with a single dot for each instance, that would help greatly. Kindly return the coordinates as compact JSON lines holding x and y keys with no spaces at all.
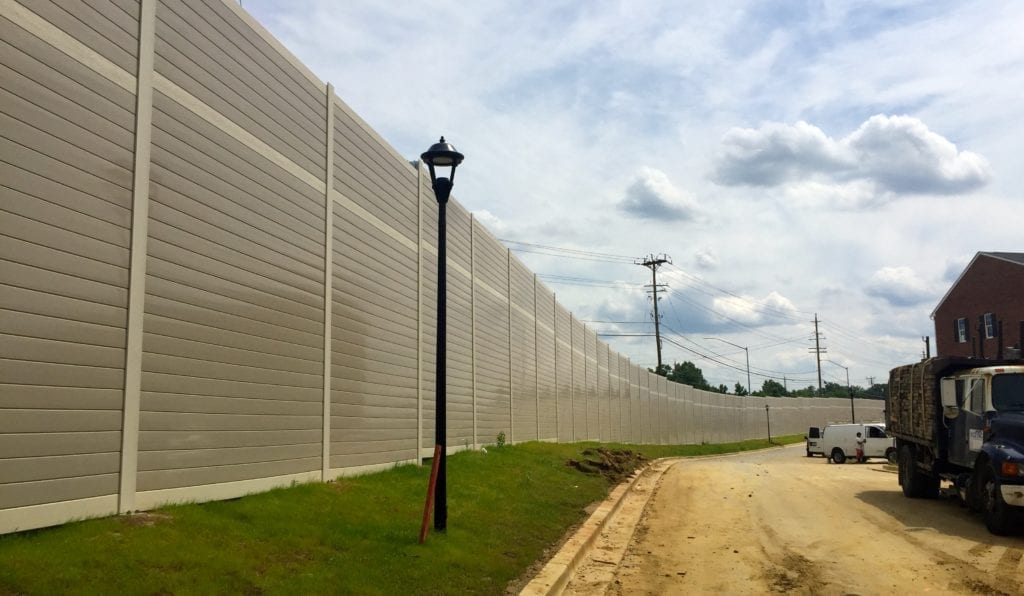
{"x":690,"y":374}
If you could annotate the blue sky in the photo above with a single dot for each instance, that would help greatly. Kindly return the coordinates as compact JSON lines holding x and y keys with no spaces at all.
{"x":842,"y":158}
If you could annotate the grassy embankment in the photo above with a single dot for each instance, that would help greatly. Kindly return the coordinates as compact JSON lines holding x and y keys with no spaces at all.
{"x":356,"y":536}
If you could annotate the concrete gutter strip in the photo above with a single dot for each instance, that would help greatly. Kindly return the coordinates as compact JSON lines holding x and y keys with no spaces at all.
{"x":555,"y":576}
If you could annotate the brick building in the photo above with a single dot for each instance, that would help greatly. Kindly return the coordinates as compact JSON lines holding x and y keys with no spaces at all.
{"x":983,"y":312}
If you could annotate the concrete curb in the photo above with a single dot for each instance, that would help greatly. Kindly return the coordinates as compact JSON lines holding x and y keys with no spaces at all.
{"x":559,"y":570}
{"x":554,"y":577}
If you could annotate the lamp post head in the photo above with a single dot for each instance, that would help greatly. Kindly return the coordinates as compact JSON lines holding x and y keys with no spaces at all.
{"x":442,"y":154}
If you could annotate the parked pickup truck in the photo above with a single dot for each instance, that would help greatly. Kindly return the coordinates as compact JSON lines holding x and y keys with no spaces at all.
{"x":962,"y":420}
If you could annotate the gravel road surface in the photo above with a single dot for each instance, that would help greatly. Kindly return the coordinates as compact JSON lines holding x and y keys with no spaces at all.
{"x":776,"y":521}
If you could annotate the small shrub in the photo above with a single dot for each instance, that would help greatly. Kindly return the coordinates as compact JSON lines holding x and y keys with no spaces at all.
{"x":500,"y":442}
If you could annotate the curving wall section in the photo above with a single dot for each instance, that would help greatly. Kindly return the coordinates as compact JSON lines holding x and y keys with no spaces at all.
{"x":216,"y":279}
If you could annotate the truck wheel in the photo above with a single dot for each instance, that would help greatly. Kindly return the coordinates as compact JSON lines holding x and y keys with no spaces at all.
{"x":838,"y":456}
{"x":998,"y":516}
{"x":809,"y":454}
{"x":890,"y":455}
{"x":915,"y":483}
{"x":974,"y":498}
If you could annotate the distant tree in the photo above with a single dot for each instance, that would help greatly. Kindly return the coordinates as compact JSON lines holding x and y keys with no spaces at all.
{"x":688,"y":373}
{"x":740,"y":390}
{"x":876,"y":391}
{"x":662,"y":370}
{"x":834,"y":390}
{"x":773,"y":388}
{"x":721,"y":389}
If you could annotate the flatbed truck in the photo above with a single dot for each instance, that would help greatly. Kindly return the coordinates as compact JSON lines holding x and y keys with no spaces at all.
{"x":961,"y":420}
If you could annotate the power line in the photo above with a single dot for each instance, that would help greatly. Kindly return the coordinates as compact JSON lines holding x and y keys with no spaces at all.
{"x":567,"y":252}
{"x":758,"y":303}
{"x":617,"y":322}
{"x":756,"y":368}
{"x":568,"y":256}
{"x":754,"y":330}
{"x":727,"y":365}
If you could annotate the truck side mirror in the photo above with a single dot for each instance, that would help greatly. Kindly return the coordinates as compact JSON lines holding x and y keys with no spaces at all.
{"x":947,"y":389}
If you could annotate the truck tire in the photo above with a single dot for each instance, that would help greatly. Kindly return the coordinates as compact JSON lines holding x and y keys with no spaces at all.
{"x":999,"y":517}
{"x":890,"y":455}
{"x":915,"y":483}
{"x":838,"y":456}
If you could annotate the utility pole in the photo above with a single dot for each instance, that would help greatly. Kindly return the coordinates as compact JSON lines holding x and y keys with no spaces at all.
{"x":817,"y":349}
{"x":652,"y":262}
{"x":927,"y":347}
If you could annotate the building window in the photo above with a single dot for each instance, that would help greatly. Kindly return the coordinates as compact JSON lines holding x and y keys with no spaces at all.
{"x":990,"y":326}
{"x":961,"y":331}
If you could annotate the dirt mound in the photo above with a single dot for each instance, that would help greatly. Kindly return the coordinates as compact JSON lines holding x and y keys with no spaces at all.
{"x":614,"y":464}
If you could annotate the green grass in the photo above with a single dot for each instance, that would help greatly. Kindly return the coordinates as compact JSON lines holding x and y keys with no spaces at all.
{"x":354,"y":536}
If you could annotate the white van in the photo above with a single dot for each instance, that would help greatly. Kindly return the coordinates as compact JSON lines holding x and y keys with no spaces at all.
{"x":839,"y":441}
{"x":814,"y":444}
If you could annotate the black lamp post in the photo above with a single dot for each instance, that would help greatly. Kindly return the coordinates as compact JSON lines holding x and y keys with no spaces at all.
{"x":441,"y":155}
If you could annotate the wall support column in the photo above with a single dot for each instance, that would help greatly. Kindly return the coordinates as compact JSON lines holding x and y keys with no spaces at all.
{"x":536,"y":360}
{"x":419,"y":311}
{"x":572,"y":378}
{"x":137,"y":267}
{"x":511,"y":383}
{"x":325,"y":467}
{"x":472,"y":316}
{"x":554,"y":343}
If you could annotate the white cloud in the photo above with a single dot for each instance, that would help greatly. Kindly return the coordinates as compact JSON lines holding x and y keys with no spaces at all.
{"x":900,"y":154}
{"x":886,"y":156}
{"x":751,"y":311}
{"x":777,"y":153}
{"x":899,"y":286}
{"x":705,"y":258}
{"x":652,"y":195}
{"x":844,"y":196}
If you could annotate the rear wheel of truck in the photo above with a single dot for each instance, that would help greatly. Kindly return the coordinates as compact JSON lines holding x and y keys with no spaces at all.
{"x":999,"y":517}
{"x":890,"y":455}
{"x":915,"y":483}
{"x":838,"y":456}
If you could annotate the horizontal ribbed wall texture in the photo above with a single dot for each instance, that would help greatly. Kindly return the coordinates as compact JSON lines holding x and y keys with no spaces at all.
{"x":215,"y":279}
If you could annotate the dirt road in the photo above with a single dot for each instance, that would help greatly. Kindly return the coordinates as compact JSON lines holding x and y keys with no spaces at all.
{"x":777,"y":521}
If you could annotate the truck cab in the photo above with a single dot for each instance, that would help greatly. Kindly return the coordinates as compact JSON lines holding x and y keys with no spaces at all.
{"x":972,"y":400}
{"x":983,"y":415}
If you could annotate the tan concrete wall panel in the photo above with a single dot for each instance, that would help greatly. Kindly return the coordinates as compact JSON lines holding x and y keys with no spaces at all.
{"x":380,"y":186}
{"x":200,"y":152}
{"x":563,"y":374}
{"x":460,"y":337}
{"x":375,"y":296}
{"x":65,"y":179}
{"x":546,"y":364}
{"x":592,"y":389}
{"x":200,"y":51}
{"x":524,"y":366}
{"x":91,"y":26}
